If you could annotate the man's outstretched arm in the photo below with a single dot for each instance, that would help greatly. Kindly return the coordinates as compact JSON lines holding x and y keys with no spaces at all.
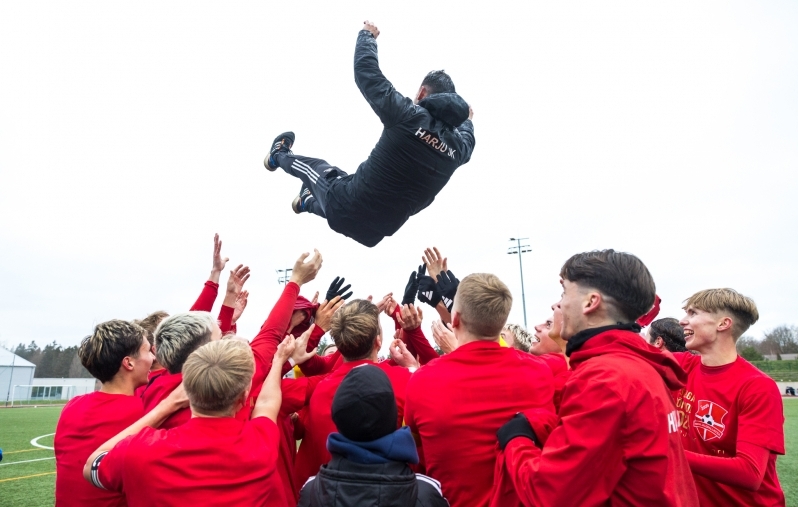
{"x":389,"y":104}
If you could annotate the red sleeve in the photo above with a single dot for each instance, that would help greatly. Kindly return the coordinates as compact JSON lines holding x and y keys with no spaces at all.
{"x":423,"y":349}
{"x":226,"y":319}
{"x":315,"y":338}
{"x":760,"y":420}
{"x":572,"y":449}
{"x":269,"y":435}
{"x":264,"y":345}
{"x":111,"y":468}
{"x":397,"y":310}
{"x":321,"y":365}
{"x":746,"y":470}
{"x":207,"y":297}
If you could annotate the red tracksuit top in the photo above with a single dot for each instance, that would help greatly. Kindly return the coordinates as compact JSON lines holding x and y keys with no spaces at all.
{"x":618,"y":440}
{"x":456,"y":403}
{"x":313,"y":451}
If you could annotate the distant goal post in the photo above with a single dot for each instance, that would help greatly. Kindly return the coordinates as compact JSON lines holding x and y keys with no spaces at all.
{"x":29,"y":395}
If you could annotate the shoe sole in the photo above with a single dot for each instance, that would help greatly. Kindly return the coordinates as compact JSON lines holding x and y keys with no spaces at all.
{"x":266,"y":164}
{"x":295,"y":205}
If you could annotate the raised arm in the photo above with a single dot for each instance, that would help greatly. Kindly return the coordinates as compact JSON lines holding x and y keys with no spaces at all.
{"x":235,"y":284}
{"x":390,"y":105}
{"x":209,"y":292}
{"x":410,"y":319}
{"x":271,"y":397}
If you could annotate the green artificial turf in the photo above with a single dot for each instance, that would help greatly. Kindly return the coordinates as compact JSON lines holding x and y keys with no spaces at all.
{"x":32,"y":484}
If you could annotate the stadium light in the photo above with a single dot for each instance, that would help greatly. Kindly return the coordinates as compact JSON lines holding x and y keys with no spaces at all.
{"x":519,"y":249}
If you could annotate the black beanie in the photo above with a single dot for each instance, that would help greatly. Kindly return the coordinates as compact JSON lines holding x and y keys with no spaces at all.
{"x":364,"y":407}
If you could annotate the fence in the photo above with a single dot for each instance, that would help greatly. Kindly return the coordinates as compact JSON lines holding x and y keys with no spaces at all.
{"x":28,"y":395}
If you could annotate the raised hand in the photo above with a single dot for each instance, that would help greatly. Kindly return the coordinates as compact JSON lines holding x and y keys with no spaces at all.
{"x":240,"y":305}
{"x":326,"y":310}
{"x":444,"y":336}
{"x":285,"y":349}
{"x":410,"y":317}
{"x":371,"y":27}
{"x":412,"y":286}
{"x":218,"y":262}
{"x":428,"y":291}
{"x":336,"y":290}
{"x":315,"y":299}
{"x":401,"y":355}
{"x":434,"y":262}
{"x":447,"y":286}
{"x":305,"y":272}
{"x":238,"y":278}
{"x":300,"y":354}
{"x":385,"y":302}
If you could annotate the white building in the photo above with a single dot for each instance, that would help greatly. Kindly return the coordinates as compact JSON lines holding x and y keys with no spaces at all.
{"x":62,"y":388}
{"x":14,"y":371}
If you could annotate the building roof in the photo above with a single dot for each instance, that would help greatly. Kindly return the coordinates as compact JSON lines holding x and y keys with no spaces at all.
{"x":7,"y":358}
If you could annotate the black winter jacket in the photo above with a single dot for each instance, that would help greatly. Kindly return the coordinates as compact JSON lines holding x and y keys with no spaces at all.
{"x":344,"y":483}
{"x":419,"y":150}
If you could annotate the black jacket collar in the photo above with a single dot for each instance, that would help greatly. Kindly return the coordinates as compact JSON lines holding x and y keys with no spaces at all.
{"x":579,"y":339}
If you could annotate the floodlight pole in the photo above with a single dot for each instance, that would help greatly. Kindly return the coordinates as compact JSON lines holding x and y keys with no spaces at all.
{"x":283,"y":275}
{"x":520,"y":249}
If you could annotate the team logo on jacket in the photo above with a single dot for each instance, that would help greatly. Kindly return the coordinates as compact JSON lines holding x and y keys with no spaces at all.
{"x":709,"y":419}
{"x":436,"y":143}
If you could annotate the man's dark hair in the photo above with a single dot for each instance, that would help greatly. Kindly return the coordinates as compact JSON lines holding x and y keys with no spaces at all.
{"x":621,"y":278}
{"x":438,"y":81}
{"x":102,"y":351}
{"x":671,"y":333}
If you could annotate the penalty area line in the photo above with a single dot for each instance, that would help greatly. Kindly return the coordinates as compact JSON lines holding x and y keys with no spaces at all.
{"x":26,"y":477}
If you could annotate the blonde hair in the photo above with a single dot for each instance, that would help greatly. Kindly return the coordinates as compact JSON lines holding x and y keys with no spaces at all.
{"x":217,"y":373}
{"x":354,"y":328}
{"x":179,"y":335}
{"x":102,"y":351}
{"x":740,"y":308}
{"x":523,"y":338}
{"x":483,"y":302}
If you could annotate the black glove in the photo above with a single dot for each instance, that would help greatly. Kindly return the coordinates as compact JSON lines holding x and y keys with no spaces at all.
{"x":412,"y":286}
{"x":447,"y":286}
{"x":336,"y":290}
{"x":427,"y":291}
{"x":518,"y":426}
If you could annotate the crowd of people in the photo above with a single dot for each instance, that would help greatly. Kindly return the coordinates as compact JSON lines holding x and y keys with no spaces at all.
{"x":588,"y":408}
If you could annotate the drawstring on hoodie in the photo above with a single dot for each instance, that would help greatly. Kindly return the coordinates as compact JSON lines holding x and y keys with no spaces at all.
{"x":579,"y":339}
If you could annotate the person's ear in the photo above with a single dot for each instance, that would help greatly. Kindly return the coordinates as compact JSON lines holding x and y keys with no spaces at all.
{"x":456,"y":322}
{"x":659,"y":343}
{"x":127,"y":363}
{"x":725,"y":324}
{"x":591,"y":302}
{"x":422,"y":93}
{"x":378,"y":342}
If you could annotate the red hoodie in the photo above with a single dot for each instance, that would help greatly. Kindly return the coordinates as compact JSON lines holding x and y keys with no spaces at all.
{"x":618,"y":440}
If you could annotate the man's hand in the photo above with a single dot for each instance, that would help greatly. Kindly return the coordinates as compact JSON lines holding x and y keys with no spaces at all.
{"x":447,"y":286}
{"x":285,"y":349}
{"x":412,"y":286}
{"x":301,"y":354}
{"x":401,"y":355}
{"x":218,"y":261}
{"x":336,"y":290}
{"x":434,"y":262}
{"x":444,"y":336}
{"x":428,"y":291}
{"x":470,"y":113}
{"x":371,"y":27}
{"x":410,"y":317}
{"x":315,"y":299}
{"x":178,"y":398}
{"x":241,"y":305}
{"x":238,"y":278}
{"x":325,"y":312}
{"x":383,"y":304}
{"x":305,"y":272}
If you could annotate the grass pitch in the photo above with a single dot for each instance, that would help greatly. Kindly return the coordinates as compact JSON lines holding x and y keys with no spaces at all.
{"x":29,"y":483}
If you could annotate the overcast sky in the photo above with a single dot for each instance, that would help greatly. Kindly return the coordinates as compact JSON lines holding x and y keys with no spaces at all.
{"x":131,"y":132}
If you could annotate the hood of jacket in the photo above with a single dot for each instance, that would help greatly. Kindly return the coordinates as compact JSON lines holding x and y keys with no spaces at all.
{"x":343,"y":483}
{"x":302,"y":303}
{"x":624,"y":342}
{"x":449,"y":108}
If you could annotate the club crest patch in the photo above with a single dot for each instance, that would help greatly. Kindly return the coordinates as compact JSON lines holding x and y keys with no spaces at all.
{"x":709,"y":420}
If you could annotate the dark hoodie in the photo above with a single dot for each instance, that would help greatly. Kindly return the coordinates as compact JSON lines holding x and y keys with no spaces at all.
{"x":618,"y":441}
{"x":419,"y":150}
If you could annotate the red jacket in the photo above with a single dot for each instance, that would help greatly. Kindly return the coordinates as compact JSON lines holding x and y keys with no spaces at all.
{"x":455,"y":405}
{"x":618,"y":440}
{"x":319,"y":424}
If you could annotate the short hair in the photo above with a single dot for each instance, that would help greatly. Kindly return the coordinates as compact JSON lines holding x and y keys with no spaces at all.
{"x":483,"y":302}
{"x":150,"y":324}
{"x":354,"y":328}
{"x":438,"y":81}
{"x":216,"y":374}
{"x":622,"y":279}
{"x":179,"y":335}
{"x":523,"y":338}
{"x":102,"y":352}
{"x":671,"y":333}
{"x":742,"y":309}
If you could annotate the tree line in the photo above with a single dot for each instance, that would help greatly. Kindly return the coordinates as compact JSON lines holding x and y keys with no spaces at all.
{"x":53,"y":361}
{"x":778,"y":341}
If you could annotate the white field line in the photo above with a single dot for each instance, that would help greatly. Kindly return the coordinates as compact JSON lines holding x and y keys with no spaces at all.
{"x":26,"y":461}
{"x":35,"y":442}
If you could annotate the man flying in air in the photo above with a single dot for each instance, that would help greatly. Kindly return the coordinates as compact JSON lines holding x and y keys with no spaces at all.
{"x":423,"y":142}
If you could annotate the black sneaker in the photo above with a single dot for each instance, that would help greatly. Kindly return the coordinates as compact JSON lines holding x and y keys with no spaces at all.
{"x":300,"y":204}
{"x":283,"y":143}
